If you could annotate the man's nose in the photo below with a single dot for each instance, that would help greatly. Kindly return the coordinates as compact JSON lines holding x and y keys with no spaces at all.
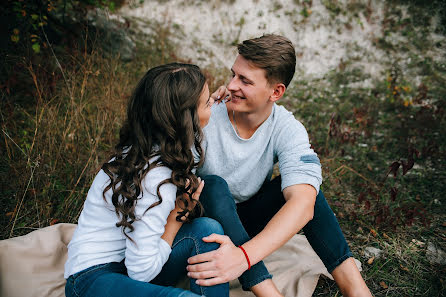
{"x":232,"y":85}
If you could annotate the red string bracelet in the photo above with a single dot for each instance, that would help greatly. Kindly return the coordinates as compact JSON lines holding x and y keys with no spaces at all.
{"x":246,"y":256}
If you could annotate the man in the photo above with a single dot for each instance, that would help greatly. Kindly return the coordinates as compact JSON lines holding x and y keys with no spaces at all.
{"x":243,"y":140}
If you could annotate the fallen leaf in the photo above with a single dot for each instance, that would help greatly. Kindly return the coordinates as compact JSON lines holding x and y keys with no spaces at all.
{"x":404,"y":268}
{"x":9,"y":214}
{"x":417,"y":242}
{"x":373,"y":232}
{"x":53,"y":221}
{"x":370,"y":261}
{"x":394,"y":168}
{"x":383,"y":285}
{"x":386,"y":236}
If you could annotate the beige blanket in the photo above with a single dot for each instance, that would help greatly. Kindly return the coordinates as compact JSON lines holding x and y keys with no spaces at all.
{"x":32,"y":265}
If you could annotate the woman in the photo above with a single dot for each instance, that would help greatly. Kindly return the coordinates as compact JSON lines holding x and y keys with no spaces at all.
{"x":131,"y":239}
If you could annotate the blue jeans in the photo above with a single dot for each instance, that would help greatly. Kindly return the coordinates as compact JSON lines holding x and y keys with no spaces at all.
{"x":111,"y":280}
{"x":245,"y":220}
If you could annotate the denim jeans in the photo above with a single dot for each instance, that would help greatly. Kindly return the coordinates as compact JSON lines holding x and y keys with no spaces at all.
{"x":110,"y":279}
{"x":245,"y":220}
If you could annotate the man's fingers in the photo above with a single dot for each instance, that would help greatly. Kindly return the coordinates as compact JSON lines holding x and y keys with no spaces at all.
{"x":210,"y":281}
{"x":203,"y":274}
{"x":205,"y":257}
{"x":217,"y":238}
{"x":206,"y":266}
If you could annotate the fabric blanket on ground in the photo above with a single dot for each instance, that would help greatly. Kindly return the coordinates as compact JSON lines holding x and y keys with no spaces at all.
{"x":32,"y":265}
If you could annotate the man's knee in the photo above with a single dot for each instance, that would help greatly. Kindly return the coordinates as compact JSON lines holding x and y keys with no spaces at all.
{"x":216,"y":193}
{"x":208,"y":226}
{"x":215,"y":181}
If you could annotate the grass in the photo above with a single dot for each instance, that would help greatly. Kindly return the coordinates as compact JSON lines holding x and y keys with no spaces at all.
{"x":60,"y":113}
{"x":359,"y":133}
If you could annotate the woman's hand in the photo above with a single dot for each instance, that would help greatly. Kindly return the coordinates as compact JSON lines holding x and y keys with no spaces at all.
{"x":187,"y":203}
{"x":221,"y":95}
{"x":172,"y":225}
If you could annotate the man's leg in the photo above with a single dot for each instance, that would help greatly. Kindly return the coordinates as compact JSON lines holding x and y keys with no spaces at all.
{"x":323,"y":234}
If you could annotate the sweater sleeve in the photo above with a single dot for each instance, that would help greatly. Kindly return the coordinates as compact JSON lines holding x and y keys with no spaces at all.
{"x":146,"y":255}
{"x":298,"y":163}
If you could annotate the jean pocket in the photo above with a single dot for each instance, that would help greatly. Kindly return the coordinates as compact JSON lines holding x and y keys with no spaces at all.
{"x":82,"y":280}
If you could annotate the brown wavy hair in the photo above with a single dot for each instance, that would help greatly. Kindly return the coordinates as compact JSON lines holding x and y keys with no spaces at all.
{"x":162,"y":121}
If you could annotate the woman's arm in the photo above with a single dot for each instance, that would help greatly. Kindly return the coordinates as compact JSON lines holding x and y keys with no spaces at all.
{"x":172,"y":225}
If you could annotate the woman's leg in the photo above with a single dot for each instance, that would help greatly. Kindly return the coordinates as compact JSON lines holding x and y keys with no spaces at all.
{"x":219,"y":204}
{"x":111,"y":280}
{"x":187,"y":243}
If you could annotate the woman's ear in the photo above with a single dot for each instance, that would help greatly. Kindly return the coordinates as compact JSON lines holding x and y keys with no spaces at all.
{"x":278,"y":91}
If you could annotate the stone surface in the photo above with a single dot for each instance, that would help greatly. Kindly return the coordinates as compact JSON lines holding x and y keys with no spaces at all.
{"x":435,"y":255}
{"x":372,"y":252}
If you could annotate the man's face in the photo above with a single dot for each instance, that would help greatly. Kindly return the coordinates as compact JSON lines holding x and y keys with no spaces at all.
{"x":249,"y":88}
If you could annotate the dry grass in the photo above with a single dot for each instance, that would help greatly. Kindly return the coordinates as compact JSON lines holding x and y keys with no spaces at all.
{"x":58,"y":126}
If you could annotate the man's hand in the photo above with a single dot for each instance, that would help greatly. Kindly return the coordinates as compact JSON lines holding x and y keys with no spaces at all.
{"x":220,"y":266}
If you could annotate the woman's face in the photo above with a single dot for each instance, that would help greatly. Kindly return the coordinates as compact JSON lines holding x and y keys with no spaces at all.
{"x":204,"y":106}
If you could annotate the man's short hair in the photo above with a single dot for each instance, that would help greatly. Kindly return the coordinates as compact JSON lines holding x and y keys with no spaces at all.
{"x":273,"y":53}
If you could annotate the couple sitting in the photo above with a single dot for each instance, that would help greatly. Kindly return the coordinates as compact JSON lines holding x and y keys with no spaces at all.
{"x":190,"y":192}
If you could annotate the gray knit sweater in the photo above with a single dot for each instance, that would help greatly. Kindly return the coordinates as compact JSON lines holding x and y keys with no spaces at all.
{"x":246,"y":164}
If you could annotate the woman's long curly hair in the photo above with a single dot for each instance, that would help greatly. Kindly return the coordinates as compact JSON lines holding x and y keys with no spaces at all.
{"x":162,"y":121}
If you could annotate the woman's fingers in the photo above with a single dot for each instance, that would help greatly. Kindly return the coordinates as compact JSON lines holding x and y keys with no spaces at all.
{"x":197,"y":193}
{"x":221,"y":94}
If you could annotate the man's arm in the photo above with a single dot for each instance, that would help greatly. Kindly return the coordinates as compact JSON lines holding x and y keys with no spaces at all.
{"x":228,"y":262}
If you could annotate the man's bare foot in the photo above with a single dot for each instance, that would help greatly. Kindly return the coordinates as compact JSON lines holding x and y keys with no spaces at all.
{"x":267,"y":288}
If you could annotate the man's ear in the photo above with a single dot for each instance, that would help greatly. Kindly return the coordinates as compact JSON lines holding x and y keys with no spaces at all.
{"x":278,"y":90}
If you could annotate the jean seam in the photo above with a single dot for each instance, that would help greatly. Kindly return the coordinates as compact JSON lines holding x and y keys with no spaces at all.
{"x":255,"y":282}
{"x":83,"y":274}
{"x":99,"y":266}
{"x":70,"y":279}
{"x":338,"y":261}
{"x":197,"y":250}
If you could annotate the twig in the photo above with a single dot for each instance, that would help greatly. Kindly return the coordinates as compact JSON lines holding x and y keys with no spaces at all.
{"x":21,"y":201}
{"x":67,"y":203}
{"x":58,"y":63}
{"x":357,"y":173}
{"x":3,"y":130}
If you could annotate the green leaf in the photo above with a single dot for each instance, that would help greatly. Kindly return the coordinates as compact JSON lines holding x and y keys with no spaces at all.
{"x":34,"y":16}
{"x":36,"y":47}
{"x":111,"y":6}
